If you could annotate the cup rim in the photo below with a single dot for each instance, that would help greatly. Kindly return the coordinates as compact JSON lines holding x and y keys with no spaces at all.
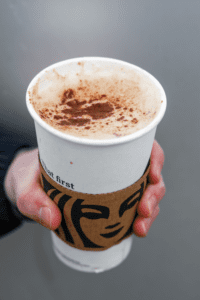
{"x":97,"y":142}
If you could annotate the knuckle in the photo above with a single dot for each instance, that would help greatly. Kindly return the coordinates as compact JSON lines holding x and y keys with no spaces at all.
{"x":162,"y":184}
{"x":163,"y":188}
{"x":160,"y":191}
{"x":24,"y":203}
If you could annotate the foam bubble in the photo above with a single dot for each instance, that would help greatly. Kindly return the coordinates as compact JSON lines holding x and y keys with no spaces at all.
{"x":96,"y":105}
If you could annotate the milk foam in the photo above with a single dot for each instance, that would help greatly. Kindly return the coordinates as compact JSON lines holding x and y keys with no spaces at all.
{"x":96,"y":105}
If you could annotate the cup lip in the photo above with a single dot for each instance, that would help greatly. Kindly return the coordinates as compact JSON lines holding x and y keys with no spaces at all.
{"x":97,"y":142}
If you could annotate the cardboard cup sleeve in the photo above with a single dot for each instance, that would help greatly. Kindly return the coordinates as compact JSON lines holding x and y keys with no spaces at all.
{"x":95,"y":222}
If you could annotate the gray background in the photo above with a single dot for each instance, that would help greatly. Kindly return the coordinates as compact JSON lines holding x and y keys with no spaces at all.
{"x":163,"y":37}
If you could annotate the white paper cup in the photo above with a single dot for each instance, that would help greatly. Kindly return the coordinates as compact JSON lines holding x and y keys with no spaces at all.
{"x":99,"y":166}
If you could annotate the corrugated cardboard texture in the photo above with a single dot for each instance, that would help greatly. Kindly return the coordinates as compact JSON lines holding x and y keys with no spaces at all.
{"x":95,"y":222}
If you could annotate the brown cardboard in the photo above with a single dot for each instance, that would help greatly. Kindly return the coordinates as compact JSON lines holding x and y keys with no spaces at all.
{"x":95,"y":222}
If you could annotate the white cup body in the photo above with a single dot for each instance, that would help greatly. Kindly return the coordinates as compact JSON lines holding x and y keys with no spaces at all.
{"x":94,"y":167}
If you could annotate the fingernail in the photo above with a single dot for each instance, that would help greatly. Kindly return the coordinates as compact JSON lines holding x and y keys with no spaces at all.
{"x":149,"y":209}
{"x":152,"y":204}
{"x":145,"y":230}
{"x":158,"y":175}
{"x":45,"y":216}
{"x":148,"y":222}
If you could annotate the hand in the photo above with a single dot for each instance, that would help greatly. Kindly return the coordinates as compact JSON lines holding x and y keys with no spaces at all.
{"x":23,"y":187}
{"x":148,"y":207}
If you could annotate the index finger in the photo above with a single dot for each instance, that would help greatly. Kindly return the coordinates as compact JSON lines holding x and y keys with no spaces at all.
{"x":157,"y":162}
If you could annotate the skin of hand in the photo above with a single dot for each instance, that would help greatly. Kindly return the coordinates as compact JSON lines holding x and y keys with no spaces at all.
{"x":148,"y":207}
{"x":23,"y":187}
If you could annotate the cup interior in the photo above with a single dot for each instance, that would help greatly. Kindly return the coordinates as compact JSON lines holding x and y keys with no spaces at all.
{"x":76,"y":65}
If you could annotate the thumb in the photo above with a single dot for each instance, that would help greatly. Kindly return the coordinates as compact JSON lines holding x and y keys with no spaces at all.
{"x":35,"y":204}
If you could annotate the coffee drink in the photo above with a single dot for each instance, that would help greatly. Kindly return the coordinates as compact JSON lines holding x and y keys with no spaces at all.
{"x":95,"y":178}
{"x":96,"y":104}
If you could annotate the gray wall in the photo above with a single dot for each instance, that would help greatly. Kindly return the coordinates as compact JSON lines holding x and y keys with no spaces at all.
{"x":162,"y":37}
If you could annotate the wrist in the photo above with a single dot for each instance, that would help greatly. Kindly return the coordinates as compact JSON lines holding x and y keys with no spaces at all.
{"x":10,"y":186}
{"x":9,"y":182}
